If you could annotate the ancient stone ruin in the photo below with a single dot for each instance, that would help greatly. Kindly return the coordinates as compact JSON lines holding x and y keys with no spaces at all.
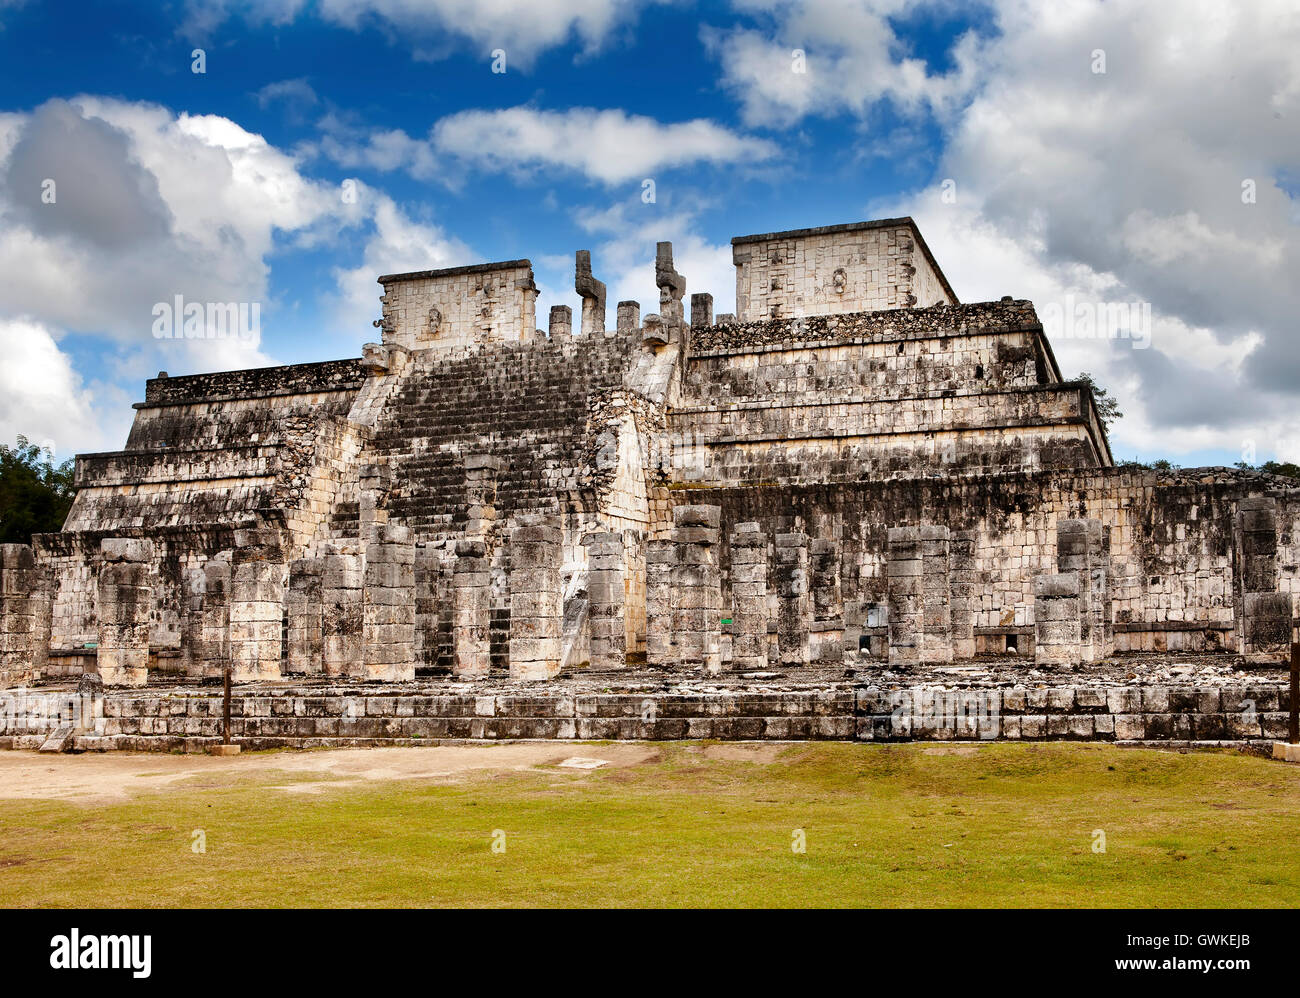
{"x":854,"y":471}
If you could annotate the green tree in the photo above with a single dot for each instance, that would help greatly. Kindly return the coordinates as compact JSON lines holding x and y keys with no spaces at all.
{"x":35,"y":494}
{"x":1107,"y":407}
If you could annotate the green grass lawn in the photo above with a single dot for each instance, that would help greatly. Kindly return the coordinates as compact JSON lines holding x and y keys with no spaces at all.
{"x":885,"y":826}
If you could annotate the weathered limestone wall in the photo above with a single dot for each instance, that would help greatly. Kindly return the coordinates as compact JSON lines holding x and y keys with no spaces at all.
{"x":460,"y":307}
{"x":1170,"y":567}
{"x":840,"y":268}
{"x":968,"y":389}
{"x":310,"y":717}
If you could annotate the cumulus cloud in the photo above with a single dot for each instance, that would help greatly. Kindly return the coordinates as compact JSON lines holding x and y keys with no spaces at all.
{"x":44,"y":399}
{"x":833,"y":56}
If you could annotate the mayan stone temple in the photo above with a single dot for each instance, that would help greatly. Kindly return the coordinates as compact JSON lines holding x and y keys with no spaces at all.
{"x":858,"y":508}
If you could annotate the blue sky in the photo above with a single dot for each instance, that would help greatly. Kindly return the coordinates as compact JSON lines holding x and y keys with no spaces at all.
{"x":228,"y":185}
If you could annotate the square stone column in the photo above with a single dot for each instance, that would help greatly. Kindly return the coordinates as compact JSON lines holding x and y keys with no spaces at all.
{"x":536,"y":597}
{"x":1263,"y":615}
{"x":965,"y":592}
{"x":388,"y":608}
{"x":607,"y":598}
{"x":697,"y":588}
{"x":303,"y":607}
{"x":560,"y":324}
{"x":1057,"y":620}
{"x":1079,"y":549}
{"x":903,"y":585}
{"x":213,"y":652}
{"x":257,"y":576}
{"x":21,"y":594}
{"x":749,"y":598}
{"x":629,"y":316}
{"x":918,"y":586}
{"x":123,"y":607}
{"x":471,"y":611}
{"x":342,"y":580}
{"x":794,"y":609}
{"x":428,"y":605}
{"x":660,"y":563}
{"x":826,"y":642}
{"x":936,"y":595}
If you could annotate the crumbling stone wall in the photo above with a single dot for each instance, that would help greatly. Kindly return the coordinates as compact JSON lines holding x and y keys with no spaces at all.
{"x":860,"y":267}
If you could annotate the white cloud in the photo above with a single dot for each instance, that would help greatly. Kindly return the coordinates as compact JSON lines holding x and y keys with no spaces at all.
{"x":833,"y":56}
{"x":523,"y":28}
{"x":44,"y":399}
{"x":608,"y":146}
{"x":398,"y":244}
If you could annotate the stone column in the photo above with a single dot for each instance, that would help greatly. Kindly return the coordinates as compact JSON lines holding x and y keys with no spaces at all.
{"x":536,"y":597}
{"x":827,"y":639}
{"x":592,"y":292}
{"x":701,"y":309}
{"x":903,"y":586}
{"x":965,"y":592}
{"x":660,"y":563}
{"x":607,"y":598}
{"x":21,"y":592}
{"x":917,"y":580}
{"x":194,"y":586}
{"x":1263,"y":614}
{"x":629,"y":316}
{"x":428,"y":570}
{"x":125,"y":601}
{"x":560,"y":324}
{"x":749,"y":598}
{"x":303,"y":607}
{"x":936,"y":596}
{"x":1079,"y":549}
{"x":257,"y":573}
{"x":372,"y":504}
{"x":388,"y":608}
{"x":342,"y":579}
{"x":1057,"y":629}
{"x":794,"y":609}
{"x":214,"y":619}
{"x":471,"y":611}
{"x":697,"y":588}
{"x":481,"y":473}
